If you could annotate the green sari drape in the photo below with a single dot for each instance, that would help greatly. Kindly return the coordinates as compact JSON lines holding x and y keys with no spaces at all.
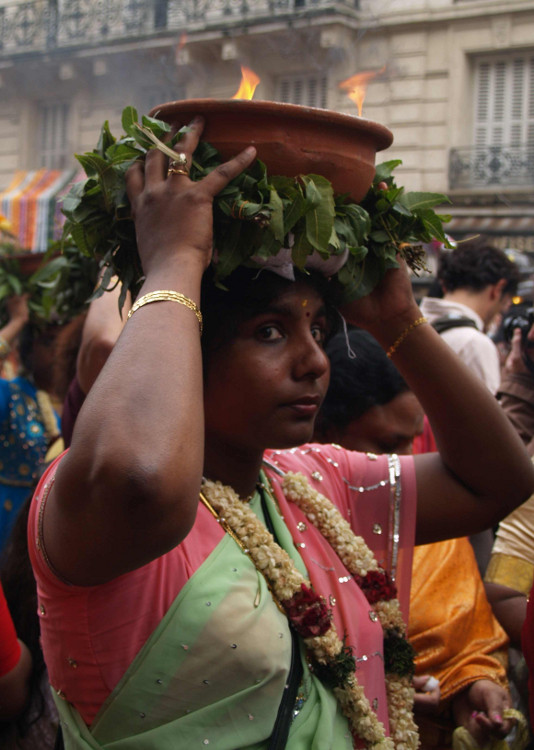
{"x":213,"y":672}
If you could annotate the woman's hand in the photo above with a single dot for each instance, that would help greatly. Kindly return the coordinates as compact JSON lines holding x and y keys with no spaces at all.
{"x":17,"y":308}
{"x":479,"y":708}
{"x":427,"y":694}
{"x":173,"y":215}
{"x":19,"y":314}
{"x":389,"y":308}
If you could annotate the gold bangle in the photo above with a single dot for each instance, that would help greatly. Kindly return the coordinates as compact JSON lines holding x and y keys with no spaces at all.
{"x":393,"y":348}
{"x":167,"y":295}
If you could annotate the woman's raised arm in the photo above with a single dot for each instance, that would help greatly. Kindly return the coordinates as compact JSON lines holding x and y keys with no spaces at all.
{"x":482,"y":471}
{"x":127,"y":491}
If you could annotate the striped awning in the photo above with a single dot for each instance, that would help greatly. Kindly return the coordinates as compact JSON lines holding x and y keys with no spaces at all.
{"x":33,"y":206}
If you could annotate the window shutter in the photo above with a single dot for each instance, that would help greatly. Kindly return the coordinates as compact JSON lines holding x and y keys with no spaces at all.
{"x":530,"y":104}
{"x":504,"y":102}
{"x":54,"y":151}
{"x":309,"y":91}
{"x":518,"y":102}
{"x":482,"y":102}
{"x":297,"y":91}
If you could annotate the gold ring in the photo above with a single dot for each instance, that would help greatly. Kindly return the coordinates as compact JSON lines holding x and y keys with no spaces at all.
{"x":177,"y":170}
{"x":180,"y":161}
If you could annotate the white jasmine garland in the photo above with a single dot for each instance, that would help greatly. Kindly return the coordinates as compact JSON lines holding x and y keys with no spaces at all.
{"x":285,"y":581}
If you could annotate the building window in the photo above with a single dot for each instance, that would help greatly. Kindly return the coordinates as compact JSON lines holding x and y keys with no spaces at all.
{"x":504,"y":102}
{"x":309,"y":91}
{"x":54,"y":146}
{"x":501,"y":154}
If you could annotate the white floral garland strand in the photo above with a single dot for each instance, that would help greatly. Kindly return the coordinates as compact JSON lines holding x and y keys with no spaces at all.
{"x":359,"y":560}
{"x":285,"y":581}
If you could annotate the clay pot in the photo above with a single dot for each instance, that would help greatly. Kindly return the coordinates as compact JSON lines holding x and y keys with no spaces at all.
{"x":290,"y":139}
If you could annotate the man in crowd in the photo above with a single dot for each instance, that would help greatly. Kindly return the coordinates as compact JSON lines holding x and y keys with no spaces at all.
{"x":478,"y":282}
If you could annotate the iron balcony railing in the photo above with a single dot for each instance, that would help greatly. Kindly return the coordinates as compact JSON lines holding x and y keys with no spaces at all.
{"x":41,"y":25}
{"x":491,"y":166}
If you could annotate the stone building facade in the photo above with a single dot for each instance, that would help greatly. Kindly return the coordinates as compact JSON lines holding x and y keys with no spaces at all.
{"x":455,"y":82}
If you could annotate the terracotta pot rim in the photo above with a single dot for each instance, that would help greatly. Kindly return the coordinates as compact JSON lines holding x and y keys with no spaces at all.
{"x":382,"y":136}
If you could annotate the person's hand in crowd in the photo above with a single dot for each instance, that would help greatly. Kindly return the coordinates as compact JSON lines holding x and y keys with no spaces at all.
{"x":17,"y":308}
{"x":515,"y":362}
{"x":480,"y":707}
{"x":19,"y":314}
{"x":427,"y":694}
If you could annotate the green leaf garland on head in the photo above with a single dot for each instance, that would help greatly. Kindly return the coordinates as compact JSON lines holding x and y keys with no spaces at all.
{"x":255,"y":215}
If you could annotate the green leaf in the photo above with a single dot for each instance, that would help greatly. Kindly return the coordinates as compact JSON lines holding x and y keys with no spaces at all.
{"x":15,"y":284}
{"x":320,"y":217}
{"x":433,"y":225}
{"x":129,"y":119}
{"x":295,"y":211}
{"x":93,"y":164}
{"x":277,"y":215}
{"x":399,"y":208}
{"x":383,"y":171}
{"x":300,"y":251}
{"x":118,"y":153}
{"x":417,"y":201}
{"x":106,"y":139}
{"x":379,"y":235}
{"x":160,"y":128}
{"x":50,"y":269}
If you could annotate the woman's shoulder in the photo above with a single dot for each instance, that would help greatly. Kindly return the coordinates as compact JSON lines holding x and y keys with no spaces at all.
{"x":343,"y":475}
{"x":332,"y":459}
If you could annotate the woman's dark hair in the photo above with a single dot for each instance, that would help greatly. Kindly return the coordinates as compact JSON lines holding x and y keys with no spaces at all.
{"x":476,"y":265}
{"x":246,"y":293}
{"x":357,"y":384}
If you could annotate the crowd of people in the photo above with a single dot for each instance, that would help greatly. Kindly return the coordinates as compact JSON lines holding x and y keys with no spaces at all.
{"x":265,"y":530}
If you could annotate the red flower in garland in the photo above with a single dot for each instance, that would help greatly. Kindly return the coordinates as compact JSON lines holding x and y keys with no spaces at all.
{"x":377,"y":586}
{"x":308,"y":613}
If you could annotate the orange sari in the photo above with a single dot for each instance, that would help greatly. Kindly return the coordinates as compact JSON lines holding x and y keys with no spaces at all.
{"x":452,"y":628}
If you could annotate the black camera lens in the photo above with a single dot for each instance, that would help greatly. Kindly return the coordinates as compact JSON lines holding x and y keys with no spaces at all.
{"x":522,"y":319}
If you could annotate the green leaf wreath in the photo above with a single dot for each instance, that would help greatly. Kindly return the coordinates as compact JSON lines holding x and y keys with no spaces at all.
{"x":255,"y":215}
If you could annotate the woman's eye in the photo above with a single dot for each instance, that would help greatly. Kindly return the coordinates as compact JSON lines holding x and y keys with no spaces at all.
{"x":269,"y":333}
{"x":319,"y":334}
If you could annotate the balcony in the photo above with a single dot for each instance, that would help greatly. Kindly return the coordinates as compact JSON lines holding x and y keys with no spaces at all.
{"x":491,"y":167}
{"x":45,"y":25}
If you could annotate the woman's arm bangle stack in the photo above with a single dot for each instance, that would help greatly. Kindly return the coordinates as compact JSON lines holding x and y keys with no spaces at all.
{"x":167,"y":295}
{"x":393,"y":348}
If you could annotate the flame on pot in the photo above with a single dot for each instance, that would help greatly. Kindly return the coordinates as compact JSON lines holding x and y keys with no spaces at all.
{"x":356,"y":86}
{"x":247,"y":87}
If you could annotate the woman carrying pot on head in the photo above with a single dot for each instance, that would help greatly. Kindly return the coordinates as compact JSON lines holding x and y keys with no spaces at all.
{"x":170,"y":616}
